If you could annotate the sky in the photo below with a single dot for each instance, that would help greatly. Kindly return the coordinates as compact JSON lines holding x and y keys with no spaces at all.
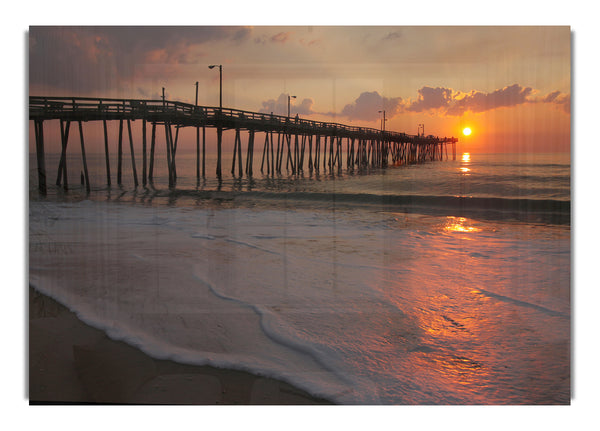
{"x":510,"y":84}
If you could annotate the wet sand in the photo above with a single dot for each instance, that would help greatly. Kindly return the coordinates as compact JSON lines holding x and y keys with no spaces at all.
{"x":73,"y":363}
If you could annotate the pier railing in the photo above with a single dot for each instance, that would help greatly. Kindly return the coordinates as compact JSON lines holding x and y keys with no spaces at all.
{"x":89,"y":109}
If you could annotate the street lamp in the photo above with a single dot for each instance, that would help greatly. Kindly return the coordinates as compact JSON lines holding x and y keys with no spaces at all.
{"x":422,"y":128}
{"x":290,"y":97}
{"x":384,"y":120}
{"x":212,"y":66}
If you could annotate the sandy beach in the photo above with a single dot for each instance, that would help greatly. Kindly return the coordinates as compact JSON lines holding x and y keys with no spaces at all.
{"x":73,"y":363}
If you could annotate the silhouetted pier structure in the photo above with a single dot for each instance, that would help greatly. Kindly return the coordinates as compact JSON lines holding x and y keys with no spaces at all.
{"x":295,"y":143}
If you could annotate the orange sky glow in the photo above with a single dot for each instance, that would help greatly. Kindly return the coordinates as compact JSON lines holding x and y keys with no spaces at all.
{"x":509,"y":85}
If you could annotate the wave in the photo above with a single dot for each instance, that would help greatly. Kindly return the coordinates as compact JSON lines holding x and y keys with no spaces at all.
{"x":548,"y":210}
{"x":522,"y":303}
{"x":530,"y":210}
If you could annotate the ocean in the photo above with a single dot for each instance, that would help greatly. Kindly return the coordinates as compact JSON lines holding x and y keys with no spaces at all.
{"x":445,"y":282}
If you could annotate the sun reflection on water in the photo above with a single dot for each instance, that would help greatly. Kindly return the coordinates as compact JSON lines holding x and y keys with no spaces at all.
{"x":452,"y":325}
{"x":466,"y":160}
{"x":459,"y":224}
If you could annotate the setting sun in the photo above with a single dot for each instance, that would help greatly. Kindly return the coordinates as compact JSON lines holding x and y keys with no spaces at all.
{"x":466,"y":131}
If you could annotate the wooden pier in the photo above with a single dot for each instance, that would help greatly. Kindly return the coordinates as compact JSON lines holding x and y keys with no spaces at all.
{"x":293,"y":144}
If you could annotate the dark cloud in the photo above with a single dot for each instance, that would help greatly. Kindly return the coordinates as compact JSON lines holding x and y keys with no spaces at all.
{"x":281,"y":37}
{"x":367,"y":105}
{"x":446,"y":101}
{"x":551,"y":97}
{"x":65,"y":58}
{"x":431,"y":98}
{"x":477,"y":101}
{"x":312,"y":42}
{"x":564,"y":102}
{"x":394,"y":35}
{"x":559,"y":99}
{"x":144,"y":94}
{"x":280,"y":106}
{"x":87,"y":59}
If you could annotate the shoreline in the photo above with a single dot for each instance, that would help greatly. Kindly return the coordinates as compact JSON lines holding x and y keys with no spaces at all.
{"x":71,"y":362}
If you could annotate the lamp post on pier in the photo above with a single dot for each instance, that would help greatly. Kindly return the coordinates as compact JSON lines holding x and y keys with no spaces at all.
{"x":384,"y":120}
{"x":290,"y":97}
{"x":220,"y":66}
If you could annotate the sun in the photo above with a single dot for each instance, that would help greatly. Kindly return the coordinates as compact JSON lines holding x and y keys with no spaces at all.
{"x":467,"y":131}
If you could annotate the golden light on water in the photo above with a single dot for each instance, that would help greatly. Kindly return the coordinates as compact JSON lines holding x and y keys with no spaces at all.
{"x":466,"y":159}
{"x":459,"y":224}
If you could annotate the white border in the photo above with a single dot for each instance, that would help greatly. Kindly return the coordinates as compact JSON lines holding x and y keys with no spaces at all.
{"x":578,"y":14}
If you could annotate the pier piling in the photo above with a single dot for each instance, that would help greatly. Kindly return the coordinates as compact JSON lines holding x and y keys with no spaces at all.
{"x":39,"y":149}
{"x":106,"y":155}
{"x":85,"y":168}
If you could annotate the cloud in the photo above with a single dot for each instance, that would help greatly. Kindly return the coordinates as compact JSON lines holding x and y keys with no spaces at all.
{"x":561,"y":100}
{"x":393,"y":35}
{"x":281,"y":37}
{"x":477,"y":101}
{"x":280,"y":106}
{"x":449,"y":102}
{"x":431,"y":98}
{"x":367,"y":105}
{"x":65,"y":58}
{"x":305,"y":108}
{"x":312,"y":42}
{"x":88,"y":59}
